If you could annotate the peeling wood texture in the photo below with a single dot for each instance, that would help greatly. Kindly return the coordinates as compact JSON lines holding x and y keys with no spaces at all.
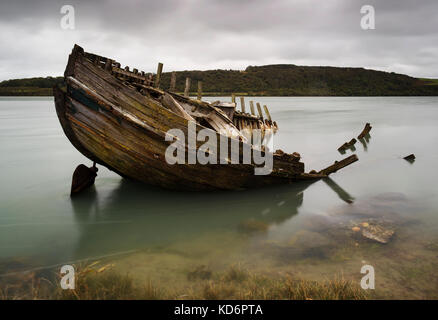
{"x":119,"y":119}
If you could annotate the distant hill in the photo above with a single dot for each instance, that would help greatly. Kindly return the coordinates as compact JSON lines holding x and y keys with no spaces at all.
{"x":291,"y":80}
{"x":271,"y":80}
{"x":29,"y":86}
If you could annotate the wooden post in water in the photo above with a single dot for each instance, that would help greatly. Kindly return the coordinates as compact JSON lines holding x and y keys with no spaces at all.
{"x":251,"y":106}
{"x":259,"y":109}
{"x":187,"y":88}
{"x":158,"y":78}
{"x":267,"y":112}
{"x":199,"y":90}
{"x":172,"y":81}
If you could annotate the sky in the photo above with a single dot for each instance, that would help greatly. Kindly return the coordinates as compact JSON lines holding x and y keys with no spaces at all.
{"x":220,"y":34}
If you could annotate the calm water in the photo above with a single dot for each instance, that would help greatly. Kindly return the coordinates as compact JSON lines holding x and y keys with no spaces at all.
{"x":304,"y":230}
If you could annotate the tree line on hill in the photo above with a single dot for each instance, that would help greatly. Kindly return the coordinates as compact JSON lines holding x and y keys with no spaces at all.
{"x":270,"y":80}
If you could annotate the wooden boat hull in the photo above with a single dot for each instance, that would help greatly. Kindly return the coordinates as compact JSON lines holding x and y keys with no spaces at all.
{"x":122,"y":129}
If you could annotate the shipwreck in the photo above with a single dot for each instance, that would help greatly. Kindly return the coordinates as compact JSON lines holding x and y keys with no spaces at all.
{"x":118,"y":118}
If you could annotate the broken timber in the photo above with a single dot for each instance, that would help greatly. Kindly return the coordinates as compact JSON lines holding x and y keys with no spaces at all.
{"x":339,"y":165}
{"x":365,"y":131}
{"x":348,"y":145}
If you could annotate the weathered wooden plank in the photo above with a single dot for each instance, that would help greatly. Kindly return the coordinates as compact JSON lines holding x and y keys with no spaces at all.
{"x":108,"y":65}
{"x":242,"y":104}
{"x":172,"y":81}
{"x":136,"y":149}
{"x":267,"y":113}
{"x":339,"y":165}
{"x":187,"y":87}
{"x":259,"y":109}
{"x":169,"y":102}
{"x":158,"y":76}
{"x":199,"y":97}
{"x":251,"y":105}
{"x":365,"y":131}
{"x":127,"y":74}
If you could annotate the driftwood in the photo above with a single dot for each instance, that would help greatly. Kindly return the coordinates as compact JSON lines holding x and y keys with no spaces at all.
{"x":365,"y":131}
{"x":339,"y":165}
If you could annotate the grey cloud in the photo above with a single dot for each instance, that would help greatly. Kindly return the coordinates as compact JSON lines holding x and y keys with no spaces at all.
{"x":206,"y":34}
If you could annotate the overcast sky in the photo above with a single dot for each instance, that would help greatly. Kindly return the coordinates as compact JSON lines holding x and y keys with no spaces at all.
{"x":220,"y":34}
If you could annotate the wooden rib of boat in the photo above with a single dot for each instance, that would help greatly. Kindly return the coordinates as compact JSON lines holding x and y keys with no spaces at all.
{"x":119,"y":119}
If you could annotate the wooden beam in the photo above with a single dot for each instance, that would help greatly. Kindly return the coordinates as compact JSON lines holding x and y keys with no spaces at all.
{"x":108,"y":64}
{"x":199,"y":90}
{"x":251,"y":106}
{"x":127,"y":74}
{"x":233,"y":98}
{"x":158,"y":78}
{"x":267,"y":112}
{"x":259,"y":109}
{"x":172,"y":81}
{"x":365,"y":131}
{"x":339,"y":165}
{"x":187,"y":88}
{"x":347,"y":145}
{"x":242,"y":104}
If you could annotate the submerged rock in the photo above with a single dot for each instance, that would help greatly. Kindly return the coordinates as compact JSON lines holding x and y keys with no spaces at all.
{"x":377,"y":233}
{"x":252,"y":226}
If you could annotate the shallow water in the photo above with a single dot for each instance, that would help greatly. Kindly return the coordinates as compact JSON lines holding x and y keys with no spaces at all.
{"x":303,"y":230}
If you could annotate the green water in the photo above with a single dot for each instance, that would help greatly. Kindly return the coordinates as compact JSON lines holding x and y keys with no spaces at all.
{"x":302,"y":230}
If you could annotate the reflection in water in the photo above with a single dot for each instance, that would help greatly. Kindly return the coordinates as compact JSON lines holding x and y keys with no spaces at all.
{"x":344,"y":195}
{"x":365,"y":141}
{"x":136,"y":216}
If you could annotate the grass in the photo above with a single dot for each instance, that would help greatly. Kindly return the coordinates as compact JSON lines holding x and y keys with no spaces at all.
{"x":103,"y":283}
